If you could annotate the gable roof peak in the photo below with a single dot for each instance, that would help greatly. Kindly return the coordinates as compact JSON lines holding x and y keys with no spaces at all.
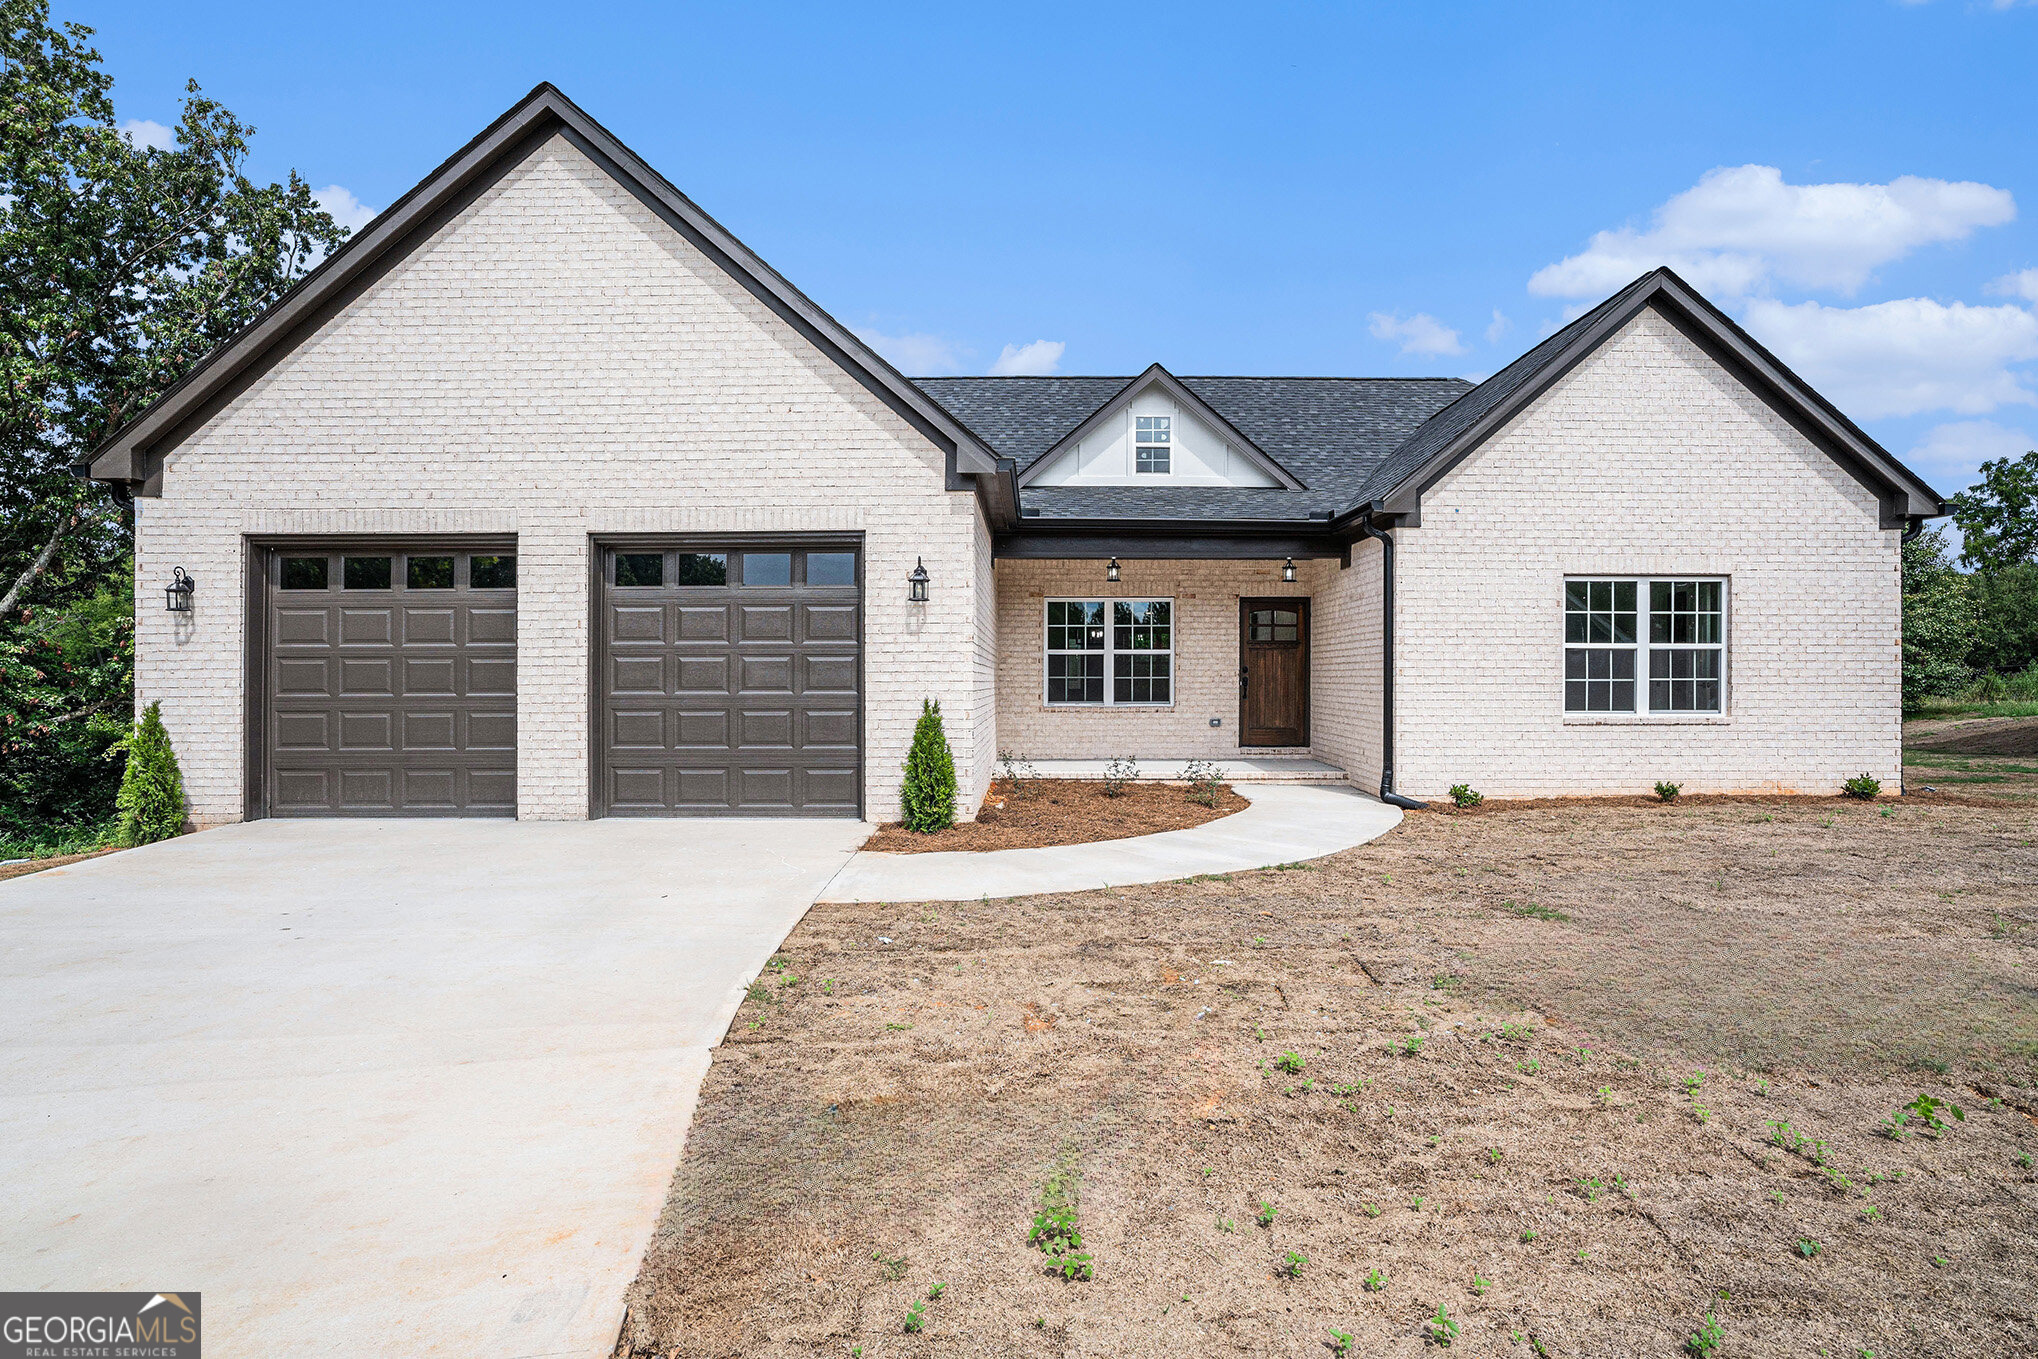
{"x":1155,"y":375}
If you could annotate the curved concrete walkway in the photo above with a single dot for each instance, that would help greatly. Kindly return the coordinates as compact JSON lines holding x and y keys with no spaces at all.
{"x":1285,"y":823}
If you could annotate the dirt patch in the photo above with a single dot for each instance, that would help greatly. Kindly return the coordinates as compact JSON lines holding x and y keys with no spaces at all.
{"x":2013,"y":736}
{"x":1493,"y":1020}
{"x":1063,"y":812}
{"x":54,"y":861}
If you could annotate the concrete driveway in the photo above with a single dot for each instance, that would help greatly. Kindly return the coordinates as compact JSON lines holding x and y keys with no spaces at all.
{"x":376,"y":1087}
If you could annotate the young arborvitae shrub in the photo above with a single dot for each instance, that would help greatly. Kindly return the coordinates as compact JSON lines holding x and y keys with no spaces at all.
{"x":927,"y":800}
{"x":1465,"y":795}
{"x":151,"y":799}
{"x":1119,"y":773}
{"x":1863,"y":786}
{"x":1668,"y":791}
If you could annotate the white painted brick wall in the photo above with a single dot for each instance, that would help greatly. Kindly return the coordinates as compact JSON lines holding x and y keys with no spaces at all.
{"x":1647,"y":459}
{"x":1345,"y":726}
{"x":558,"y":363}
{"x":1206,"y":595}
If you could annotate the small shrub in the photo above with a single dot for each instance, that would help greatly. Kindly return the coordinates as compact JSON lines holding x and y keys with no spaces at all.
{"x":1706,"y":1338}
{"x":1668,"y":791}
{"x":927,"y":798}
{"x":1464,"y":795}
{"x":1204,"y":780}
{"x":1862,"y":786}
{"x":1018,"y":773}
{"x":151,"y":799}
{"x":1118,"y":774}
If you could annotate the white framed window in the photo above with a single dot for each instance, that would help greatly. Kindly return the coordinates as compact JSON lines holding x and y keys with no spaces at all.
{"x":1645,"y":645}
{"x":1110,"y":652}
{"x":1153,"y":443}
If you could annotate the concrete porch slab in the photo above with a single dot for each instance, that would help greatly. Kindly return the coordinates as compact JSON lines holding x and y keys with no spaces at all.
{"x":1234,"y":769}
{"x":1284,"y":824}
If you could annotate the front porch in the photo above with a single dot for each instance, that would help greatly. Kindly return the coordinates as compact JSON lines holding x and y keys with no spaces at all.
{"x":1231,"y":769}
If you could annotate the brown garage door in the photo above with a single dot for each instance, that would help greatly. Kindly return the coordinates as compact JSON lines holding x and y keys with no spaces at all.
{"x":730,"y":679}
{"x":389,"y":680}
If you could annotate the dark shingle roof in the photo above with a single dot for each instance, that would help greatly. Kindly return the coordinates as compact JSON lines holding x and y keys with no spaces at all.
{"x":1329,"y":432}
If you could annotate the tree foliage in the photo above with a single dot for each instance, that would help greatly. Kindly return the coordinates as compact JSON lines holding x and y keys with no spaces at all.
{"x":121,"y":265}
{"x":1998,"y":515}
{"x":1938,"y":620}
{"x":927,"y":798}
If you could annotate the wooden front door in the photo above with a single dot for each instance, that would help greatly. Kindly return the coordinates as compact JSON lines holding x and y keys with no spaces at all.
{"x":1273,"y":672}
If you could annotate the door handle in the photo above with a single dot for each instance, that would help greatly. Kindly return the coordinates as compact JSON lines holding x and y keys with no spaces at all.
{"x":1243,"y":676}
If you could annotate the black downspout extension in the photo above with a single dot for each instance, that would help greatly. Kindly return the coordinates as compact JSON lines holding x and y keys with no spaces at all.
{"x":1387,"y":793}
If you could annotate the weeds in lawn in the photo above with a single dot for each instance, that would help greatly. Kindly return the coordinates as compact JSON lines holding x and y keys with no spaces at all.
{"x":1533,"y":911}
{"x":1340,"y":1341}
{"x":1605,"y":1094}
{"x":935,"y":1291}
{"x":1265,"y":1217}
{"x":916,"y":1318}
{"x":1225,"y":1224}
{"x":1707,"y":1337}
{"x":1700,"y":1112}
{"x":1926,"y":1110}
{"x":1411,"y":1046}
{"x":1480,"y":1285}
{"x":1694,"y":1083}
{"x":1373,"y":1209}
{"x":1054,"y":1226}
{"x":892,"y":1267}
{"x":1808,"y":1248}
{"x":1441,"y":1328}
{"x":1528,"y":1234}
{"x":2022,"y":1160}
{"x":1590,"y":1187}
{"x":1293,"y":1263}
{"x":1529,"y":1065}
{"x":1375,"y":1281}
{"x":1290,"y":1062}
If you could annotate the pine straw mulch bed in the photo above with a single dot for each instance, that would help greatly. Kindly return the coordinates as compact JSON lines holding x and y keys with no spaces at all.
{"x":1062,"y":812}
{"x":54,"y":861}
{"x":1496,"y":1017}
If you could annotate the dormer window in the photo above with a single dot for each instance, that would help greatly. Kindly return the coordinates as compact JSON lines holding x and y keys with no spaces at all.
{"x":1152,"y":443}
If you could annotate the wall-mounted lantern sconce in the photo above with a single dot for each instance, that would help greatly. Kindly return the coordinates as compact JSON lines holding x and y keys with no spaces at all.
{"x":1111,"y":571}
{"x":177,"y":594}
{"x":1288,"y":572}
{"x":916,"y":583}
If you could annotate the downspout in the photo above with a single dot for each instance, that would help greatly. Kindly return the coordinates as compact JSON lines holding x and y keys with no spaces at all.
{"x":1387,"y":793}
{"x":1913,"y":526}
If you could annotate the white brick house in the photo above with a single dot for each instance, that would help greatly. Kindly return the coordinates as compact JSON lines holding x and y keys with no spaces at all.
{"x":544,"y":496}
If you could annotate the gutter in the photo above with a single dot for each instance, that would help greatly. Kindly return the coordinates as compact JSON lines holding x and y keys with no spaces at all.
{"x":1368,"y":529}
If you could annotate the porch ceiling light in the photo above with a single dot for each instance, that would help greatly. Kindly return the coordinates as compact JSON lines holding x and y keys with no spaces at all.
{"x":1111,"y":571}
{"x":916,"y":583}
{"x":177,"y":594}
{"x":1288,"y":572}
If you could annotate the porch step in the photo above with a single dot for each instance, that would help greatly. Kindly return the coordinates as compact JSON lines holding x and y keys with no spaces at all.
{"x":1233,"y":769}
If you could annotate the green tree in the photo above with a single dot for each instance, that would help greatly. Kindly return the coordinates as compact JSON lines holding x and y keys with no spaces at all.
{"x":927,"y":798}
{"x":152,"y":788}
{"x":1938,"y":620}
{"x":1998,"y":515}
{"x":121,"y":265}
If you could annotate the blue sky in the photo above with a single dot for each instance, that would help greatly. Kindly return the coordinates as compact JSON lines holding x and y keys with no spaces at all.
{"x":1252,"y":189}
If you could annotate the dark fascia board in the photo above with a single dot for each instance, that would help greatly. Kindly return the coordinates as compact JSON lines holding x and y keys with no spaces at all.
{"x":1904,"y":495}
{"x":1162,"y":539}
{"x":1157,"y":375}
{"x":129,"y":453}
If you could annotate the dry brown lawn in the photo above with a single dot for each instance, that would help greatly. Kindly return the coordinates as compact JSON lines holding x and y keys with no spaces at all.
{"x":1498,"y":1021}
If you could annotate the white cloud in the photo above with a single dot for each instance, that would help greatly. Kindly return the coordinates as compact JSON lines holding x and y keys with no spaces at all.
{"x":347,"y":210}
{"x":1417,"y":334}
{"x":1497,"y":327}
{"x":1950,"y":456}
{"x":142,"y":132}
{"x":2023,"y":283}
{"x":919,"y":355}
{"x":1038,"y":359}
{"x":1741,"y":227}
{"x":1905,"y":356}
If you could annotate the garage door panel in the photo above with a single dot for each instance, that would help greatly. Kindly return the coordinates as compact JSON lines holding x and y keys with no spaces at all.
{"x":367,"y":676}
{"x":493,"y":624}
{"x":745,"y":652}
{"x":829,"y":622}
{"x":429,"y":627}
{"x":389,"y":701}
{"x":304,"y":627}
{"x":637,"y":623}
{"x":366,"y":627}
